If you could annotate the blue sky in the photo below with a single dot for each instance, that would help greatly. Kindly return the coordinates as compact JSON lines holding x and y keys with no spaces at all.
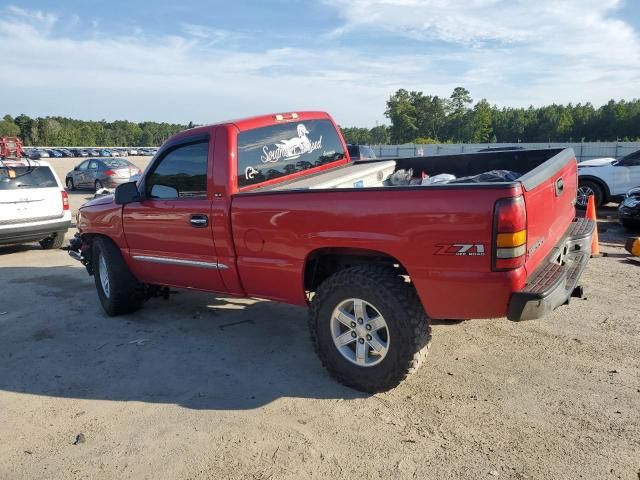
{"x":205,"y":61}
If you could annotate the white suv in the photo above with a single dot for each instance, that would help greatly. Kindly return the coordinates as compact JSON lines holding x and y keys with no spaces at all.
{"x":607,"y":178}
{"x":34,"y":207}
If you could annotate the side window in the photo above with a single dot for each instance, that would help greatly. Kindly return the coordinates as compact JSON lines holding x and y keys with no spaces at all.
{"x":83,"y":166}
{"x":181,"y":173}
{"x":93,"y":165}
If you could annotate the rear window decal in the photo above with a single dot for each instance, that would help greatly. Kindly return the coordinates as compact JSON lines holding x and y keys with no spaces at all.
{"x":292,"y":148}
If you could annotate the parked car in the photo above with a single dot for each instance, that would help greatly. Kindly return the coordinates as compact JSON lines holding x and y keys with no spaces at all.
{"x":105,"y":153}
{"x":373,"y":262}
{"x":629,"y":210}
{"x":32,"y":154}
{"x":78,"y":152}
{"x":93,"y":153}
{"x":54,"y":153}
{"x":34,"y":204}
{"x":66,"y":153}
{"x":607,"y":179}
{"x":133,"y":151}
{"x":115,"y":152}
{"x":97,"y":173}
{"x":361,"y":152}
{"x":43,"y":153}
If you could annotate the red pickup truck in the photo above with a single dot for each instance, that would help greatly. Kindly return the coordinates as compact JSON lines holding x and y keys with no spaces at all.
{"x":272,"y":207}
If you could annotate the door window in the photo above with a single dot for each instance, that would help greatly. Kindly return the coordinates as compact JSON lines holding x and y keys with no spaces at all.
{"x":83,"y":166}
{"x":181,"y":173}
{"x":93,"y":165}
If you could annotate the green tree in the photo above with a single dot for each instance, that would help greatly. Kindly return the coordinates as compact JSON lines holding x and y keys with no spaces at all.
{"x":402,"y":113}
{"x":8,"y":127}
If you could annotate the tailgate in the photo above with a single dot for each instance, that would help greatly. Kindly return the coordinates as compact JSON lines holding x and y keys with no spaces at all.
{"x":28,"y":194}
{"x":549,"y":194}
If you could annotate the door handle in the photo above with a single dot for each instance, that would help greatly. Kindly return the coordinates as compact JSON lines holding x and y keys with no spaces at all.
{"x":199,"y":221}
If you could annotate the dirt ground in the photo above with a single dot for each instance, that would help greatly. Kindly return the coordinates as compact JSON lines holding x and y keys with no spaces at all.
{"x":201,"y":387}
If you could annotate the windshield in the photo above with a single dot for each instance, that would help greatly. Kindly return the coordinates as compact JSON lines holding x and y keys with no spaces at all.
{"x":14,"y":178}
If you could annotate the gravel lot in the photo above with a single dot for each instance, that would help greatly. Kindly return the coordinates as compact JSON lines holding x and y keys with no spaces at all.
{"x":201,"y":387}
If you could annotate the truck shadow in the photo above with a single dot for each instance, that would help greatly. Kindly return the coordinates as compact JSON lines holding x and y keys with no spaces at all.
{"x":194,"y":350}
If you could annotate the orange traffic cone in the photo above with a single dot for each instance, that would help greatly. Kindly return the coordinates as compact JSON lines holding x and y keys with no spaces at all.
{"x":591,"y":214}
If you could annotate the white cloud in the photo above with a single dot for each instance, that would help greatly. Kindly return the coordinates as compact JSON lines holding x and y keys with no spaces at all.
{"x":554,"y":54}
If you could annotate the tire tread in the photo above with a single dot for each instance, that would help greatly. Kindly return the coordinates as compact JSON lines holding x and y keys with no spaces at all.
{"x":415,"y":346}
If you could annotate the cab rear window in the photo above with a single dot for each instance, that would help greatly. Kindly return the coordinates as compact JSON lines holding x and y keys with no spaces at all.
{"x":279,"y":150}
{"x":14,"y":178}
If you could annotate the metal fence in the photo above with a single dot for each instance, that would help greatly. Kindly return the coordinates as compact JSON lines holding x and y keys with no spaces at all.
{"x":584,"y":151}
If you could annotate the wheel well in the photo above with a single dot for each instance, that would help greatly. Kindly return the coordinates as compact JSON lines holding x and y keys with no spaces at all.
{"x":323,"y":263}
{"x":600,"y":183}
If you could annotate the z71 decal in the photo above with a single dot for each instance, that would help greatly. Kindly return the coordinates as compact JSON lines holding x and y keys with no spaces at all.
{"x":461,"y":249}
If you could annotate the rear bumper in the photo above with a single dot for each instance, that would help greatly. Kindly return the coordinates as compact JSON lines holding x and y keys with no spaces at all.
{"x":554,"y":283}
{"x":32,"y":233}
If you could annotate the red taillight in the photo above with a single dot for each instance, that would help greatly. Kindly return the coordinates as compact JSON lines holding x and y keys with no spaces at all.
{"x":110,"y":173}
{"x":510,"y":233}
{"x":65,"y":200}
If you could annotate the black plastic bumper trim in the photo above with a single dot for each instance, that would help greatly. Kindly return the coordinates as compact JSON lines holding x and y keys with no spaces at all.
{"x":554,"y":282}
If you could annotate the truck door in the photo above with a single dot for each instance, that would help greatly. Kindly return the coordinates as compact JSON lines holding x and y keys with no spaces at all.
{"x":169,"y":232}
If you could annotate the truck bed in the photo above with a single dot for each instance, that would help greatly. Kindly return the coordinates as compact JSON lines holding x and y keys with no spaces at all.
{"x":274,"y":228}
{"x":532,"y":165}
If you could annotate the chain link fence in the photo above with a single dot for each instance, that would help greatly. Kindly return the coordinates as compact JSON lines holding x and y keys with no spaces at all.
{"x":584,"y":151}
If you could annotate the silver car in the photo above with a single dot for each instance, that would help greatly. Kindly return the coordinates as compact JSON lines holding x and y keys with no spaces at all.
{"x":100,"y":173}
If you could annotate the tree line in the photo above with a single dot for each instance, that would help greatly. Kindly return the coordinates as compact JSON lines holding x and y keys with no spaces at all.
{"x":67,"y":132}
{"x":419,"y":118}
{"x":414,"y":117}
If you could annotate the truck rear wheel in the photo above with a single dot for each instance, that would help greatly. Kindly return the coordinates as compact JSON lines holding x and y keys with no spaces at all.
{"x":119,"y":291}
{"x":369,"y":328}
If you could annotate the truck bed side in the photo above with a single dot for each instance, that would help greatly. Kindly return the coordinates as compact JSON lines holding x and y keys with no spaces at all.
{"x":276,"y":233}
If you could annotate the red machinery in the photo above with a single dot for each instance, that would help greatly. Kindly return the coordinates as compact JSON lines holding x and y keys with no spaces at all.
{"x":10,"y":148}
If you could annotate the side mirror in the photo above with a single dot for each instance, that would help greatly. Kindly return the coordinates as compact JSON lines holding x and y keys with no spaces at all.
{"x":127,"y":193}
{"x":75,"y":169}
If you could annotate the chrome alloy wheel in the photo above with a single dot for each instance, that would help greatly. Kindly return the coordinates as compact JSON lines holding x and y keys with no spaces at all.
{"x":360,"y":332}
{"x":104,"y":276}
{"x":584,"y":193}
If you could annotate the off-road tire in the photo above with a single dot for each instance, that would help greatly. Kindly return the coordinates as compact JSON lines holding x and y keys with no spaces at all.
{"x":397,"y":301}
{"x":126,"y":292}
{"x":51,"y":243}
{"x":598,"y":193}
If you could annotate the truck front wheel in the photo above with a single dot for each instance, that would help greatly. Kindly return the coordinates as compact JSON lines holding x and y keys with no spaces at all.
{"x":119,"y":291}
{"x":369,"y":328}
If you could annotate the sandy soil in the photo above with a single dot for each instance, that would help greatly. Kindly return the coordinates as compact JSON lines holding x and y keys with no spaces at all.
{"x":201,"y":387}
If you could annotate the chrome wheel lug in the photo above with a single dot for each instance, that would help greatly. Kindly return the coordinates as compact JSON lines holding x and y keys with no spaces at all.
{"x":369,"y":337}
{"x":353,"y":324}
{"x":354,"y":334}
{"x":360,"y":321}
{"x":361,"y":340}
{"x":368,"y":327}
